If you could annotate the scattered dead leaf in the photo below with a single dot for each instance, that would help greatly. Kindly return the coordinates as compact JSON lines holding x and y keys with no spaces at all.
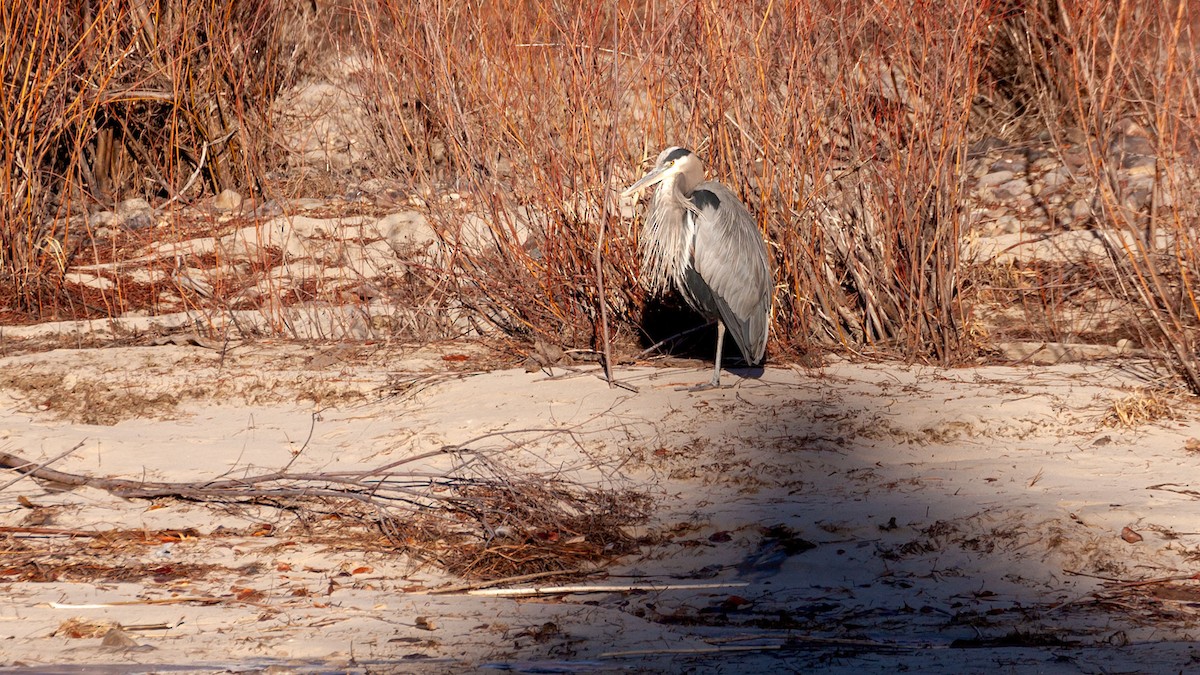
{"x":1130,"y":535}
{"x":246,"y":594}
{"x":1178,"y":592}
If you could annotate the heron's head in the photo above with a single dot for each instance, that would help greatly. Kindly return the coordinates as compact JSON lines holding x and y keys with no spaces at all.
{"x":674,"y":164}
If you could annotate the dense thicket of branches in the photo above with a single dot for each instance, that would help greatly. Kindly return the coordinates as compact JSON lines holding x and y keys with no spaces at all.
{"x":845,"y":127}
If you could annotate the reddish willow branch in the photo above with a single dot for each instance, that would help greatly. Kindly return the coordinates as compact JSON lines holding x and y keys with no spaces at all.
{"x":410,"y":487}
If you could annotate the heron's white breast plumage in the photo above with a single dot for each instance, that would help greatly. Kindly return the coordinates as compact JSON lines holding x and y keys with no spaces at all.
{"x":668,"y":239}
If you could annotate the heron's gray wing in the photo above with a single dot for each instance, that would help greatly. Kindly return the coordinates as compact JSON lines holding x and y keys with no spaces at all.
{"x":730,"y":261}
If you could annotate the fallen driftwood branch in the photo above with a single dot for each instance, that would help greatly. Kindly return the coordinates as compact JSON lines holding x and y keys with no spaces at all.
{"x":180,"y":600}
{"x":1115,"y":588}
{"x":48,"y":531}
{"x":26,"y":465}
{"x":462,"y":588}
{"x":790,"y":641}
{"x":354,"y":484}
{"x":475,"y":519}
{"x":620,"y":588}
{"x":690,"y":651}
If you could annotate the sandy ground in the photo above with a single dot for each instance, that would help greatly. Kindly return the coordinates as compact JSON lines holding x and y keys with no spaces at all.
{"x":852,"y":518}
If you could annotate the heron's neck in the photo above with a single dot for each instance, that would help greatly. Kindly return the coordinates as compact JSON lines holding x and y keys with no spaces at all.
{"x":676,"y":193}
{"x":667,"y":238}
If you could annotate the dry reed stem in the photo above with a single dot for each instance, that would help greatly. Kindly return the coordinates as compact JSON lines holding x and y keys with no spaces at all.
{"x":843,"y":126}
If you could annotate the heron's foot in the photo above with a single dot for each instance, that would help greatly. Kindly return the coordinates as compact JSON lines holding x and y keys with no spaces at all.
{"x":715,"y":384}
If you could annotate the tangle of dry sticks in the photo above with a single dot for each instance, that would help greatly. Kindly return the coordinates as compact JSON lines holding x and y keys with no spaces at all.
{"x":476,"y":519}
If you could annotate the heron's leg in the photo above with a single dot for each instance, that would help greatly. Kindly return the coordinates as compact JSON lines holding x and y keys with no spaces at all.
{"x":716,"y":381}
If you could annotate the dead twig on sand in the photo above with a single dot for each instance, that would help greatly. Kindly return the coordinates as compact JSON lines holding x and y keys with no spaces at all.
{"x":1114,"y":589}
{"x":620,"y":588}
{"x":474,"y":519}
{"x":43,"y":465}
{"x":48,"y":531}
{"x":462,"y":588}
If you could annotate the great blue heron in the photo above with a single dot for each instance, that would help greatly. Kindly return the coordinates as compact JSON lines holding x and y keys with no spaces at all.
{"x":699,"y":238}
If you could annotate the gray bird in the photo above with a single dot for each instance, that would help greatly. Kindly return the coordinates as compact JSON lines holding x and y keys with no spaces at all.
{"x":700,"y":239}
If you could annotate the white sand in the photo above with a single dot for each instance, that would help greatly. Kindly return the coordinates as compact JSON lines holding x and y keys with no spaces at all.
{"x":1002,"y":483}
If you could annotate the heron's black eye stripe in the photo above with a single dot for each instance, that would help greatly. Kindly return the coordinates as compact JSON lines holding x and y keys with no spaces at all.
{"x":677,"y":154}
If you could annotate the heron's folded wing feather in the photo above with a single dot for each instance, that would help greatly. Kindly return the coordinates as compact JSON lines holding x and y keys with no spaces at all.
{"x":729,"y":256}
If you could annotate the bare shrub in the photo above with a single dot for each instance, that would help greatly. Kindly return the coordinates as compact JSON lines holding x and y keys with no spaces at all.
{"x":842,"y":129}
{"x":111,"y":100}
{"x":1123,"y":76}
{"x":844,"y":126}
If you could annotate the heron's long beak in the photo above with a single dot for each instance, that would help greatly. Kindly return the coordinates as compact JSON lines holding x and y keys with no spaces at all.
{"x":651,"y":178}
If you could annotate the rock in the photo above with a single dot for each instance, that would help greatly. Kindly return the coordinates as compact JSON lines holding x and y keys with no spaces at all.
{"x":372,"y":261}
{"x":1145,"y":167}
{"x":135,"y":205}
{"x":407,"y":231}
{"x":995,"y":178}
{"x":1045,"y":163}
{"x":1137,"y":199}
{"x":228,"y":200}
{"x":89,"y":280}
{"x":1075,"y":136}
{"x":268,"y":209}
{"x":1007,"y":163}
{"x":101,"y":218}
{"x":116,"y":638}
{"x":135,"y":214}
{"x":254,"y":240}
{"x":1141,"y":165}
{"x":1012,"y":189}
{"x":1076,"y":158}
{"x":1056,"y":178}
{"x":1007,"y":224}
{"x":326,"y":228}
{"x":1050,"y":353}
{"x":984,"y":146}
{"x":1081,"y":209}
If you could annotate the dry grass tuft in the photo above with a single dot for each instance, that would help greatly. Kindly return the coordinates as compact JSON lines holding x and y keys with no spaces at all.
{"x":1139,"y":408}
